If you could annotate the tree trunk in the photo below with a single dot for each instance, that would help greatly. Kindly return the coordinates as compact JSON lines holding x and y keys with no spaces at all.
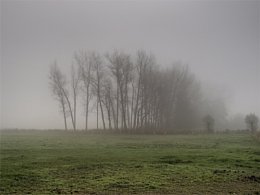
{"x":70,"y":110}
{"x":75,"y":109}
{"x":64,"y":115}
{"x":97,"y":113}
{"x":86,"y":122}
{"x":117,"y":105}
{"x":102,"y":114}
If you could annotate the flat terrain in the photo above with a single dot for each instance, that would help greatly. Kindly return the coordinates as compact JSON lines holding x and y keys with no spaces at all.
{"x":58,"y":162}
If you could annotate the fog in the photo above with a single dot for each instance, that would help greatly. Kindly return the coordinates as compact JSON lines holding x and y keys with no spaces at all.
{"x":219,"y":41}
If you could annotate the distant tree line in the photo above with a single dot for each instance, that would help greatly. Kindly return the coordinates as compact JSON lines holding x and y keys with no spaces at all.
{"x":129,"y":93}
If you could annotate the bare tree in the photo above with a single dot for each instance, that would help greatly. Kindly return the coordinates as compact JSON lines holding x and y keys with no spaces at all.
{"x":108,"y":102}
{"x":127,"y":68}
{"x":143,"y":61}
{"x":75,"y":78}
{"x":98,"y":82}
{"x":86,"y":69}
{"x":252,"y":122}
{"x":58,"y":84}
{"x":209,"y":123}
{"x":115,"y":68}
{"x":121,"y":67}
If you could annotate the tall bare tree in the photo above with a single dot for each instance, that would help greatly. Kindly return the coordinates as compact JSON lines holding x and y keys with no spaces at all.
{"x":58,"y":84}
{"x":142,"y":66}
{"x":121,"y":68}
{"x":75,"y":79}
{"x":98,"y":81}
{"x":86,"y":70}
{"x":108,"y":102}
{"x":115,"y":68}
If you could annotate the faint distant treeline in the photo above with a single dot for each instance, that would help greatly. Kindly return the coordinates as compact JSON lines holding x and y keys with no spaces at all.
{"x":128,"y":93}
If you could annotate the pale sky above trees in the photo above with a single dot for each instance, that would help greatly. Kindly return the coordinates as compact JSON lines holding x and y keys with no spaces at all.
{"x":219,"y":40}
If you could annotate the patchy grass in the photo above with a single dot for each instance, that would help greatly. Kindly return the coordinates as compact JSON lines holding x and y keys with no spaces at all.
{"x":58,"y":162}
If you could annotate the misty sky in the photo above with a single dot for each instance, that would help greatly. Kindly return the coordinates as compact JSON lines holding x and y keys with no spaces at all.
{"x":219,"y":40}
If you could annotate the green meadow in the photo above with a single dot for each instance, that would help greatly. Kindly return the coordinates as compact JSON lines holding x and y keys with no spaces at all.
{"x":60,"y":162}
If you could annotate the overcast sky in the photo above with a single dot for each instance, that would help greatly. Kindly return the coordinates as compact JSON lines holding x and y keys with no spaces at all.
{"x":220,"y":40}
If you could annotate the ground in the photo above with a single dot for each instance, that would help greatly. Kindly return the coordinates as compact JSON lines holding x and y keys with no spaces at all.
{"x":59,"y":162}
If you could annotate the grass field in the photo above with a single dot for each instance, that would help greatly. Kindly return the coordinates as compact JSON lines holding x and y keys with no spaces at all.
{"x":53,"y":162}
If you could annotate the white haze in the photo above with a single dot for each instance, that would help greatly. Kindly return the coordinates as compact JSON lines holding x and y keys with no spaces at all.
{"x":219,"y":40}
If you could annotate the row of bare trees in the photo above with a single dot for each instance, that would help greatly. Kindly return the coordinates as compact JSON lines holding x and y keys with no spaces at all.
{"x":129,"y":93}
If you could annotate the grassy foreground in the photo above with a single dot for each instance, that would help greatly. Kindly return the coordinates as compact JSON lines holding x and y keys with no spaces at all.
{"x":53,"y":162}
